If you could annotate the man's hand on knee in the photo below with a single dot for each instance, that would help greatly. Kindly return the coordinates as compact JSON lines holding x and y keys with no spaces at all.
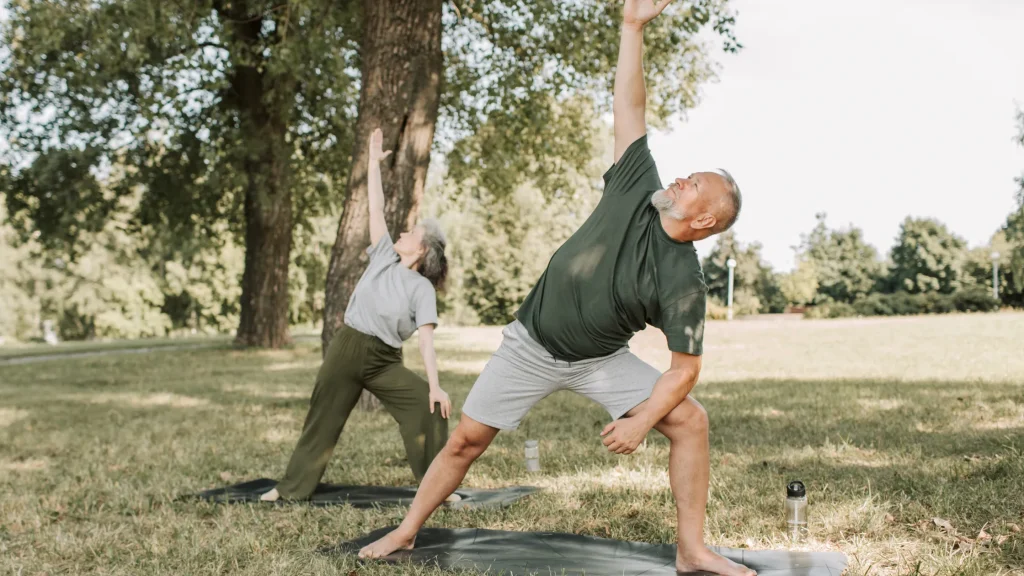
{"x":624,"y":435}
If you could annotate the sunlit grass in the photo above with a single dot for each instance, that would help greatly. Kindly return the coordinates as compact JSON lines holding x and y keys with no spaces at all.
{"x":897,"y":426}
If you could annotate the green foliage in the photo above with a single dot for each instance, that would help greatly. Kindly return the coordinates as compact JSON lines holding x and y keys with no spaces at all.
{"x":162,"y":87}
{"x":117,"y":287}
{"x":756,"y":288}
{"x":847,"y":267}
{"x":769,"y":291}
{"x":22,"y":278}
{"x":745,"y":303}
{"x":976,"y":299}
{"x":159,"y":89}
{"x":927,"y":257}
{"x":524,"y":81}
{"x":500,"y":243}
{"x":973,"y":299}
{"x":519,"y":235}
{"x":201,"y":293}
{"x":307,"y":276}
{"x":1014,"y":231}
{"x":195,"y":104}
{"x":977,"y":270}
{"x":800,"y":286}
{"x":830,"y":310}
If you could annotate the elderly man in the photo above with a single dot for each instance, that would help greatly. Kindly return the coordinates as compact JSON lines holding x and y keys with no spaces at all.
{"x":632,"y":263}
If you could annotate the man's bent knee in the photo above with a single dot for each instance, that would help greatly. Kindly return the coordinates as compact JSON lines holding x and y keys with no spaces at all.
{"x":689,"y":417}
{"x":470,"y":439}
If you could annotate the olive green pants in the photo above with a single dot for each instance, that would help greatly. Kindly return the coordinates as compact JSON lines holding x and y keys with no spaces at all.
{"x":355,"y":361}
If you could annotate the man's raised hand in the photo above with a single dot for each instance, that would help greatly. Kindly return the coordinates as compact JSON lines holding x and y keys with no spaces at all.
{"x":637,"y":13}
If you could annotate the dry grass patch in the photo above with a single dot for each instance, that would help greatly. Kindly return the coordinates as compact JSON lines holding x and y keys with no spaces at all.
{"x":9,"y":416}
{"x":28,"y":465}
{"x":139,"y":400}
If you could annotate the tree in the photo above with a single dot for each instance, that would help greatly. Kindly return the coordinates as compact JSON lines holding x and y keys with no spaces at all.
{"x":20,"y":313}
{"x":977,"y":270}
{"x":1014,"y":228}
{"x":755,"y":285}
{"x":499,"y":244}
{"x":847,"y":267}
{"x":800,"y":286}
{"x":221,"y":111}
{"x":400,"y":93}
{"x":514,"y":87}
{"x":927,"y":257}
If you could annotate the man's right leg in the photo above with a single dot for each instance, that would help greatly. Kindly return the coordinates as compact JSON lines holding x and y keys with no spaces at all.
{"x":518,"y":375}
{"x":446,"y":472}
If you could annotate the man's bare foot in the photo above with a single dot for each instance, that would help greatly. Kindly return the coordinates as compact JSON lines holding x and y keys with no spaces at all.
{"x":708,"y":561}
{"x":271,"y":496}
{"x":393,"y":541}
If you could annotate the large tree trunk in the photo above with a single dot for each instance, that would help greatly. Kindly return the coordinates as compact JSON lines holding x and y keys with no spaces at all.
{"x":263,"y":104}
{"x":401,"y":84}
{"x":268,"y":243}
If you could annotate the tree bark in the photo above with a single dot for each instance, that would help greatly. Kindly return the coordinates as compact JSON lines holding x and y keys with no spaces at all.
{"x":401,"y":84}
{"x":263,"y":106}
{"x":263,"y":320}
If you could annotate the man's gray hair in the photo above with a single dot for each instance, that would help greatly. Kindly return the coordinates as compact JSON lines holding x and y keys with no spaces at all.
{"x":733,"y":202}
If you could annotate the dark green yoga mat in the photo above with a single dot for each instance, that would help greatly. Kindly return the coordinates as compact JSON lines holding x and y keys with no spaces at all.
{"x":361,"y":496}
{"x":548,"y":553}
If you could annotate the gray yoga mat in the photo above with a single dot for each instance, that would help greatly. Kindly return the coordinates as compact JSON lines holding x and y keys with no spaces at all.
{"x":519,"y":553}
{"x":361,"y":496}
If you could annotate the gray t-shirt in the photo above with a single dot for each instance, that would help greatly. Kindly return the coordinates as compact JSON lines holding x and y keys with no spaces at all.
{"x":390,"y":301}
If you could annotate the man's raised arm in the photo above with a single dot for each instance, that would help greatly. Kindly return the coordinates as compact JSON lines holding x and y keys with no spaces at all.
{"x":630,"y":96}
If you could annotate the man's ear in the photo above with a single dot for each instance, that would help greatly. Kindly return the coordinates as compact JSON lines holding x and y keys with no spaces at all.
{"x":704,"y":221}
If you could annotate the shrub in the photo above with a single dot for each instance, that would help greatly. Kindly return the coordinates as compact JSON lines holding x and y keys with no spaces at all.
{"x":831,"y":310}
{"x":873,"y":305}
{"x":975,"y":299}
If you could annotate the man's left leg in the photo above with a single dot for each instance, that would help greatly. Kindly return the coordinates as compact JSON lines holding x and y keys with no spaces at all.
{"x":689,"y":471}
{"x":622,"y":383}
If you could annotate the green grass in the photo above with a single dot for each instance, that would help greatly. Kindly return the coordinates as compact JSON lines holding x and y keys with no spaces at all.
{"x":890,"y":422}
{"x":32,"y":350}
{"x":25,"y":350}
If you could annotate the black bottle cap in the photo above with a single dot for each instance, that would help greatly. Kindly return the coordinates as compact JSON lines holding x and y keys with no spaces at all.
{"x":795,"y":489}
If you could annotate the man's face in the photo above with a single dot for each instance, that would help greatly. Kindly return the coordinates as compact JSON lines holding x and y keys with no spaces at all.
{"x":691,"y":197}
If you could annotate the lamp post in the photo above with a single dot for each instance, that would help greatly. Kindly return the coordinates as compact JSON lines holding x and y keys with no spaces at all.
{"x":995,"y":275}
{"x":732,"y":266}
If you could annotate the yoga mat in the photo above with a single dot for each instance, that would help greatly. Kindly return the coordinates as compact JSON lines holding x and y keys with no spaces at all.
{"x":519,"y":553}
{"x":361,"y":496}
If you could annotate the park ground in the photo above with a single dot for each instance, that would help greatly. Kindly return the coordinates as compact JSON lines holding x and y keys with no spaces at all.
{"x":908,"y":432}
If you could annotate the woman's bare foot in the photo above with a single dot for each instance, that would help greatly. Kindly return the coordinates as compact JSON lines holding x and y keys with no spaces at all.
{"x":271,"y":496}
{"x":708,"y":561}
{"x":394,"y":540}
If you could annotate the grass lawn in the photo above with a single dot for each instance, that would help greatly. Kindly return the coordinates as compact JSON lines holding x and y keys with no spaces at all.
{"x":22,"y":351}
{"x":35,"y":350}
{"x":908,"y":433}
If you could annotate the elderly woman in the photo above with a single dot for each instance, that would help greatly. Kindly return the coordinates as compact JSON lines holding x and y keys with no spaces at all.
{"x":395,"y":297}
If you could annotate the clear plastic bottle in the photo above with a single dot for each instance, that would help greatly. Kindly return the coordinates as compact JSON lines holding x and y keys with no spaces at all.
{"x":796,"y":511}
{"x":532,"y":456}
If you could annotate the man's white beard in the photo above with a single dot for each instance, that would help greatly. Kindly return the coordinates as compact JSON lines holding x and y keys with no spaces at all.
{"x":664,"y":205}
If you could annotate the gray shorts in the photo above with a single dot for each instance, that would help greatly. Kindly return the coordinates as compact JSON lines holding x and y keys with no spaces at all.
{"x":521,"y":373}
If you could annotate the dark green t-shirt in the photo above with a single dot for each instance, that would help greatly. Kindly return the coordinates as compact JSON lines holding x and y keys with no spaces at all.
{"x":619,"y":272}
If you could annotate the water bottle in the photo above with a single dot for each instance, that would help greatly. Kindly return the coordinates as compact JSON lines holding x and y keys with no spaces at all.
{"x":532,"y":456}
{"x":796,"y":511}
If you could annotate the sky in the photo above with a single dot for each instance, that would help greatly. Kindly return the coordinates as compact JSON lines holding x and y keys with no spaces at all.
{"x":869,"y":111}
